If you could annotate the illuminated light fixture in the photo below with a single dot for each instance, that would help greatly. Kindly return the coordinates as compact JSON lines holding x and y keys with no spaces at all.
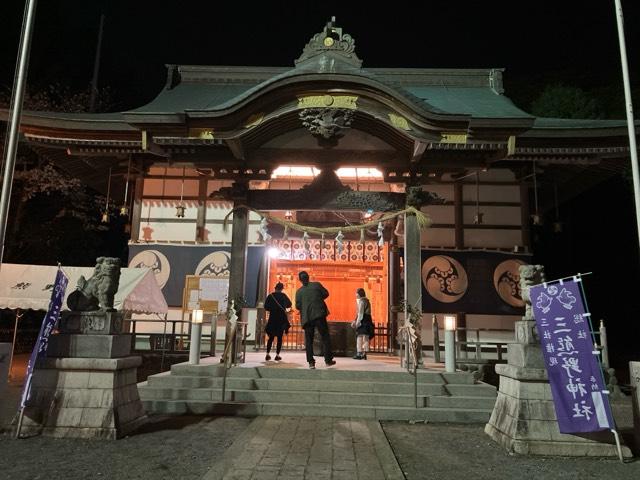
{"x":450,"y":343}
{"x":197,"y":315}
{"x":368,"y":214}
{"x":288,"y":215}
{"x":180,"y":209}
{"x":273,"y":252}
{"x":196,"y":335}
{"x":105,"y":213}
{"x":399,"y":230}
{"x":449,"y":322}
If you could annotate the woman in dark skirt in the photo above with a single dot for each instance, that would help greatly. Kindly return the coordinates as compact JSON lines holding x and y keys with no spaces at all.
{"x":362,"y":324}
{"x":276,"y":304}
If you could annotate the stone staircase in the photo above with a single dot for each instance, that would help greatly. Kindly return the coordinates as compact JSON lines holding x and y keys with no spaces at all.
{"x":382,"y":395}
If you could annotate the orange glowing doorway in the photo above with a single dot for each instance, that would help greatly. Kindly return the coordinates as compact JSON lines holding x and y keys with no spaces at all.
{"x":359,"y":266}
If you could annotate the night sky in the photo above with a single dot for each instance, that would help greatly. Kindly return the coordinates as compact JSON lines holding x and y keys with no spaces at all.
{"x":537,"y":42}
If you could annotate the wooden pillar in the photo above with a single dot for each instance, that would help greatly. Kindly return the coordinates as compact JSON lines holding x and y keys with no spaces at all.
{"x":136,"y":213}
{"x":201,"y":219}
{"x":263,"y":287}
{"x":524,"y":209}
{"x":394,"y":289}
{"x":237,"y":269}
{"x":458,"y":206}
{"x":412,"y":269}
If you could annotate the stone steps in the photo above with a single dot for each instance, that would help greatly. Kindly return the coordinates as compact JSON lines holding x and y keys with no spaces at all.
{"x":374,"y":394}
{"x":428,"y":414}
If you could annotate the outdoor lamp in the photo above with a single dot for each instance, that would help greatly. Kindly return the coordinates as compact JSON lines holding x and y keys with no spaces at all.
{"x":273,"y":252}
{"x":450,"y":322}
{"x":450,"y":343}
{"x":180,"y":211}
{"x":196,"y":334}
{"x":196,"y":316}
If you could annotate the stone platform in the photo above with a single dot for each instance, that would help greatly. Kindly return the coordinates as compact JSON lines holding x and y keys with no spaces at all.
{"x":376,"y":389}
{"x":84,"y":398}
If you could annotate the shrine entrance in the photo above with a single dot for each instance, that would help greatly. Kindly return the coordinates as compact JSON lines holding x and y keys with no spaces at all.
{"x":359,"y":265}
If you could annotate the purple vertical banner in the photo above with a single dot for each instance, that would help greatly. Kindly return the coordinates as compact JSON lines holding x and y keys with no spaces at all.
{"x":577,"y":385}
{"x":49,"y":322}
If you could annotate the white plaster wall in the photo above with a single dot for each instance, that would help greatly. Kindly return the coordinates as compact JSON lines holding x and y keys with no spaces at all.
{"x":489,"y":238}
{"x":437,"y":237}
{"x":493,"y":215}
{"x":491,"y":193}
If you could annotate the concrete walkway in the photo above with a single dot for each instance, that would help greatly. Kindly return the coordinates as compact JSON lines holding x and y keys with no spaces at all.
{"x":288,"y":448}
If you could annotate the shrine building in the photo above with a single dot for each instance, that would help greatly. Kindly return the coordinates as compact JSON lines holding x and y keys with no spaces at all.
{"x":248,"y":175}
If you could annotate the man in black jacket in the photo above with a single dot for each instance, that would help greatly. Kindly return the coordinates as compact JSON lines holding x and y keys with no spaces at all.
{"x":313,"y":314}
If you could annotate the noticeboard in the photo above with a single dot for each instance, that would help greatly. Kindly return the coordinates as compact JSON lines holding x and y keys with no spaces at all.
{"x":209,"y":293}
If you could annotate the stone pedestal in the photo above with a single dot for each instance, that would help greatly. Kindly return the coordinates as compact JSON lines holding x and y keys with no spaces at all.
{"x":524,"y":419}
{"x":84,"y":398}
{"x":87,"y":387}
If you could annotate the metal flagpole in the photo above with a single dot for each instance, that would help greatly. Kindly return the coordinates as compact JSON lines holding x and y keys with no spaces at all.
{"x":630,"y":121}
{"x":16,"y":111}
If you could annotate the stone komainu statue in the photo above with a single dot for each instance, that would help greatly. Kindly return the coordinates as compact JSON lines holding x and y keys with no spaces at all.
{"x":98,"y":292}
{"x":529,"y":275}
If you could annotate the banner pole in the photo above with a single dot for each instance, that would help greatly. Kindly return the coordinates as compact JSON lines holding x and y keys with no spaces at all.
{"x":13,"y":343}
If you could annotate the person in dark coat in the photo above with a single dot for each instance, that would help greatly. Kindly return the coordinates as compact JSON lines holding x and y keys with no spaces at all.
{"x":363,"y":324}
{"x":313,"y":314}
{"x":277,"y":304}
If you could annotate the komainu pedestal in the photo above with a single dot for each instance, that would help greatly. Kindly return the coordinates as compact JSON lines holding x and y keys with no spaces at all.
{"x":87,"y":385}
{"x":524,"y":419}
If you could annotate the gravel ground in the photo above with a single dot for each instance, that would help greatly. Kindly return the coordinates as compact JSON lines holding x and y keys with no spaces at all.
{"x":168,"y":448}
{"x":439,"y":451}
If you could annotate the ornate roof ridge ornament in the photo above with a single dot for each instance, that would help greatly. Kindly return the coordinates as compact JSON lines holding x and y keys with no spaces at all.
{"x":333,"y":42}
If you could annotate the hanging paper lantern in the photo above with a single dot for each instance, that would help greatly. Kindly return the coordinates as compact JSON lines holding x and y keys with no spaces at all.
{"x":264,"y":233}
{"x":380,"y":233}
{"x":339,"y":244}
{"x":305,"y":241}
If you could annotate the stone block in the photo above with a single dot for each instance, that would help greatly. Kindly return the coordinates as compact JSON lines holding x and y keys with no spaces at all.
{"x":89,"y":346}
{"x":526,"y":332}
{"x":75,"y":397}
{"x":97,"y":418}
{"x":524,"y":355}
{"x":65,"y":417}
{"x":101,"y":380}
{"x":95,"y":323}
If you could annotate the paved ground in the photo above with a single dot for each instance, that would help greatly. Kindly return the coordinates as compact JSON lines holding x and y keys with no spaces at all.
{"x":289,"y":448}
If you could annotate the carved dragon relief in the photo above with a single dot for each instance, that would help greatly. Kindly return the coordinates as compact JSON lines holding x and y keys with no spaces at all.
{"x":327,"y":124}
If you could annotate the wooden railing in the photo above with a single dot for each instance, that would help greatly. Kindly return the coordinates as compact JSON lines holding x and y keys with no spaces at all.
{"x":294,"y":339}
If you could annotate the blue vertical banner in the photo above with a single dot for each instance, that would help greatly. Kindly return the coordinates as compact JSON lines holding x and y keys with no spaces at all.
{"x":48,"y":324}
{"x":571,"y":359}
